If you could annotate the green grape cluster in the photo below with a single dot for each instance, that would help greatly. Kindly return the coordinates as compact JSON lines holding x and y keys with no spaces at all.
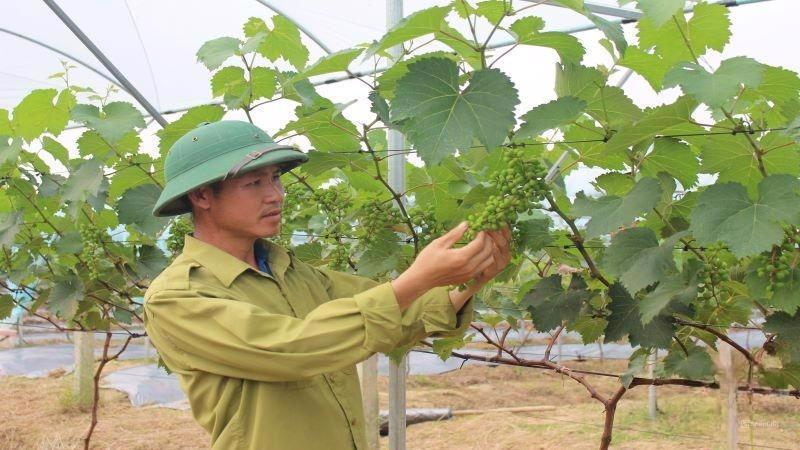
{"x":714,"y":272}
{"x":779,"y":264}
{"x":336,"y":202}
{"x":92,"y":244}
{"x":177,"y":234}
{"x":521,"y":186}
{"x":423,"y":218}
{"x":375,"y":215}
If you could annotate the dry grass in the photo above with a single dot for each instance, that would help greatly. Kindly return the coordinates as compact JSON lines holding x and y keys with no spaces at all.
{"x":690,"y":419}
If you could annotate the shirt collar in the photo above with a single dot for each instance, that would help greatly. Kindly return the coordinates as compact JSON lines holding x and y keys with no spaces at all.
{"x":227,"y":267}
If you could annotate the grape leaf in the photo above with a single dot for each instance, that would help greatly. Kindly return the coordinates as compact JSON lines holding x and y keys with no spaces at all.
{"x":387,"y":81}
{"x":284,"y":41}
{"x":115,"y":121}
{"x":734,"y":158}
{"x":36,"y":113}
{"x":716,"y":89}
{"x":549,"y":304}
{"x":534,"y":234}
{"x":788,"y":330}
{"x":636,"y":258}
{"x":654,"y":122}
{"x":650,"y":66}
{"x":412,"y":26}
{"x":150,"y":261}
{"x":216,"y":51}
{"x":136,"y":208}
{"x":382,"y":255}
{"x":670,"y":294}
{"x":327,"y":130}
{"x":440,"y":118}
{"x":725,"y":212}
{"x":611,"y":212}
{"x":550,"y":115}
{"x":10,"y":224}
{"x":84,"y":181}
{"x":335,"y":62}
{"x":660,"y":11}
{"x":64,"y":296}
{"x":527,"y":31}
{"x":697,"y":365}
{"x":673,"y":157}
{"x":624,"y":319}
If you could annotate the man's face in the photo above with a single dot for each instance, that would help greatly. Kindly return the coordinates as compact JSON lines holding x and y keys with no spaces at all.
{"x":249,"y":204}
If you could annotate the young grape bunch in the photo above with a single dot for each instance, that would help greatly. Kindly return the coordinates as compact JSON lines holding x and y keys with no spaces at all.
{"x":376,"y":215}
{"x":521,"y":185}
{"x":778,"y":265}
{"x":92,"y":243}
{"x":177,"y":235}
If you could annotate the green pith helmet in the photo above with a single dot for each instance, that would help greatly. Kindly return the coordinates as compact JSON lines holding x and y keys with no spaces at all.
{"x":214,"y":151}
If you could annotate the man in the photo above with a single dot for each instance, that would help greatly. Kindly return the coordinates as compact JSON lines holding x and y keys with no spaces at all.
{"x":265,"y":345}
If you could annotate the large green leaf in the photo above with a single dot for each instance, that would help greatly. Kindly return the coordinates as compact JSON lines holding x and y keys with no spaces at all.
{"x":150,"y":261}
{"x":670,"y":294}
{"x":653,"y":123}
{"x":636,"y":258}
{"x":787,"y":329}
{"x":673,"y":157}
{"x":697,"y":365}
{"x":534,"y":234}
{"x":412,"y":26}
{"x":85,"y":181}
{"x":734,"y":158}
{"x":528,"y":31}
{"x":625,"y":320}
{"x":115,"y":121}
{"x":650,"y":66}
{"x":335,"y":62}
{"x":717,"y":89}
{"x":282,"y":41}
{"x":216,"y":51}
{"x":189,"y":120}
{"x":550,"y":115}
{"x":64,"y":297}
{"x":381,"y":256}
{"x":136,"y":208}
{"x":440,"y":118}
{"x":660,"y":11}
{"x":36,"y":113}
{"x":327,"y":129}
{"x":725,"y":213}
{"x":550,"y":304}
{"x":387,"y":81}
{"x":10,"y":224}
{"x":610,"y":213}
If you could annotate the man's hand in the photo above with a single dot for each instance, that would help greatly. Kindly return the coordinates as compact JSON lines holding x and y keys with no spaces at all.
{"x":439,"y":264}
{"x":502,"y":256}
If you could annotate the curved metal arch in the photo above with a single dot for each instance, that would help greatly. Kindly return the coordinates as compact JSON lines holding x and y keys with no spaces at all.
{"x":64,"y":54}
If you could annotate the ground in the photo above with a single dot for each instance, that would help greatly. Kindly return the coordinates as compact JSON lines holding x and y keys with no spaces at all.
{"x":34,"y":416}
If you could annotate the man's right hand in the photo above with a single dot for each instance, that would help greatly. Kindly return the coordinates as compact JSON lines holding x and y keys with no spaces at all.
{"x":439,"y":264}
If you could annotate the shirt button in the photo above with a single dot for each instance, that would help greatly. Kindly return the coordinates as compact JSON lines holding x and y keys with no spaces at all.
{"x":333,"y":378}
{"x":353,"y":422}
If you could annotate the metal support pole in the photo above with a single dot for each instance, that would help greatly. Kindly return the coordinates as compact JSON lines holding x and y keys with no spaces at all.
{"x":83,"y":387}
{"x":127,"y":85}
{"x":652,"y":401}
{"x":397,"y":180}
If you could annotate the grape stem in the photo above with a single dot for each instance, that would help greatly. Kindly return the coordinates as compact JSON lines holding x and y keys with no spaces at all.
{"x":577,"y":238}
{"x":398,"y":198}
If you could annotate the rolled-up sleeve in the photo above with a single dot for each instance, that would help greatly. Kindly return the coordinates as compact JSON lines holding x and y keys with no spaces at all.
{"x":237,"y":339}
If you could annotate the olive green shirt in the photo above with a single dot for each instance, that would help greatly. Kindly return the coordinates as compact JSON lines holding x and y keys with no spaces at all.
{"x":267,"y":361}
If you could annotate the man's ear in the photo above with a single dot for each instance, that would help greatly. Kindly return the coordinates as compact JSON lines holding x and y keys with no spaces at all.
{"x":200,"y":198}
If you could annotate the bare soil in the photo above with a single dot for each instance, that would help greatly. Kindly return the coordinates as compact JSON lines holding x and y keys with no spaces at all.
{"x":34,"y":417}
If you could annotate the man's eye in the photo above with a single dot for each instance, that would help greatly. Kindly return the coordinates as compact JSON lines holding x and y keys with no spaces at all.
{"x":254,"y":182}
